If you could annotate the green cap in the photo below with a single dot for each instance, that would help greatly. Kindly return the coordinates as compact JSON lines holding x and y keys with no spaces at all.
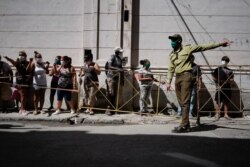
{"x":175,"y":37}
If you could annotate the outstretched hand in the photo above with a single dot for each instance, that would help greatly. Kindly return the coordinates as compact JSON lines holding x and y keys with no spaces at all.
{"x":226,"y":43}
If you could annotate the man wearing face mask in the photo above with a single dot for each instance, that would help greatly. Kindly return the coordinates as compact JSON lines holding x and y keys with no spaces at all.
{"x":115,"y":79}
{"x":40,"y":69}
{"x":223,"y":76}
{"x":90,"y":71}
{"x":24,"y":79}
{"x":6,"y":80}
{"x":197,"y":80}
{"x":180,"y":63}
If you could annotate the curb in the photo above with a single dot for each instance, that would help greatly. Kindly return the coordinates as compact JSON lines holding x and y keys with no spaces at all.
{"x":102,"y":119}
{"x":119,"y":119}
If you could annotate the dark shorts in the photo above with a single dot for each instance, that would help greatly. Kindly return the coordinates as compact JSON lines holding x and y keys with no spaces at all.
{"x":224,"y":95}
{"x":54,"y":84}
{"x":64,"y":94}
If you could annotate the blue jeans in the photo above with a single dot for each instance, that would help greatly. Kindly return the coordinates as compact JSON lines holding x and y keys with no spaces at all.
{"x":192,"y":102}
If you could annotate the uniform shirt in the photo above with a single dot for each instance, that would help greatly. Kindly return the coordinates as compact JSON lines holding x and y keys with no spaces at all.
{"x":180,"y":59}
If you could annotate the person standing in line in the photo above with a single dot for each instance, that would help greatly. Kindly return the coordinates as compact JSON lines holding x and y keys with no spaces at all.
{"x":39,"y":80}
{"x":180,"y":63}
{"x":24,"y":79}
{"x":223,"y":77}
{"x":66,"y":83}
{"x":115,"y":78}
{"x":197,"y":80}
{"x":90,"y":71}
{"x":146,"y":79}
{"x":54,"y":82}
{"x":6,"y":80}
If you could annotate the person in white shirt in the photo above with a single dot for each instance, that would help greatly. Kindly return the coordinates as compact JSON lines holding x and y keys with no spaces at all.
{"x":39,"y":69}
{"x":146,"y":79}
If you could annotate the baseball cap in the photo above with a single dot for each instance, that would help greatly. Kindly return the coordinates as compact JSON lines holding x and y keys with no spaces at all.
{"x":175,"y":37}
{"x":118,"y":49}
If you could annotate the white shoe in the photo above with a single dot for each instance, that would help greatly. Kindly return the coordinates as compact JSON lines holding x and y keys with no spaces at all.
{"x":86,"y":111}
{"x":35,"y":112}
{"x":43,"y":112}
{"x":24,"y":113}
{"x":72,"y":111}
{"x":57,"y":112}
{"x":20,"y":111}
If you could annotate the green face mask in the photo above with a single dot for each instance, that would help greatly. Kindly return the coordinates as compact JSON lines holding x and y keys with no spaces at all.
{"x":173,"y":44}
{"x":147,"y":66}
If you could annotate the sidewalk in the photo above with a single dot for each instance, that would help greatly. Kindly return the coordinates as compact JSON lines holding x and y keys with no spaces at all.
{"x":119,"y":119}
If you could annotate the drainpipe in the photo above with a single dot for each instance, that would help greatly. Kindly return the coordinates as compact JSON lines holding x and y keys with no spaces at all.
{"x":122,"y":23}
{"x":98,"y":30}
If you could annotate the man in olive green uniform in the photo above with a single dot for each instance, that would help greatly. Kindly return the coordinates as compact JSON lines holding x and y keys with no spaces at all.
{"x":179,"y":63}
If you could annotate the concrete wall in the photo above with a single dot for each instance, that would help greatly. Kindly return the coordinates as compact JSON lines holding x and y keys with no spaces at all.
{"x":209,"y":21}
{"x":52,"y":27}
{"x":63,"y":27}
{"x":206,"y":21}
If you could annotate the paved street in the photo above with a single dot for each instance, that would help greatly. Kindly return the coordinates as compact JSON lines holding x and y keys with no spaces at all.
{"x":39,"y":143}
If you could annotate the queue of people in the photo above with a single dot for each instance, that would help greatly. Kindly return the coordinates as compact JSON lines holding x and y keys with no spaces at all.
{"x":33,"y":73}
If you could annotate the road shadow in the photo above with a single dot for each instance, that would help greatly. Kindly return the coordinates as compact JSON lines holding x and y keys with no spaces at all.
{"x":81,"y":148}
{"x":11,"y":126}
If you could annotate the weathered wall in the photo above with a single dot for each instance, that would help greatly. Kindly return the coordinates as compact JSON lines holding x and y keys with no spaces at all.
{"x":208,"y":21}
{"x":63,"y":27}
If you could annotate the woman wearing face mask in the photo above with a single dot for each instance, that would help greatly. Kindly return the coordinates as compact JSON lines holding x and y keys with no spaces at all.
{"x":67,"y":80}
{"x":23,"y":79}
{"x":90,"y":70}
{"x":54,"y":81}
{"x":40,"y":69}
{"x":223,"y":77}
{"x":146,"y":79}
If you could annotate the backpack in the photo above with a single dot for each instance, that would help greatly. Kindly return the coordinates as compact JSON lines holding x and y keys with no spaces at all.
{"x":106,"y":67}
{"x":107,"y":64}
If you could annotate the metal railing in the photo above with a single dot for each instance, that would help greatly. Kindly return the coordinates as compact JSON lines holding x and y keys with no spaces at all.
{"x":160,"y":96}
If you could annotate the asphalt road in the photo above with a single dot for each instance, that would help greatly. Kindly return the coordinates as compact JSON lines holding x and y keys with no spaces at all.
{"x":26,"y":144}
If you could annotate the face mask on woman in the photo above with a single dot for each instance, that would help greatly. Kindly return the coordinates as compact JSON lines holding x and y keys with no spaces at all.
{"x":147,"y":66}
{"x":62,"y":63}
{"x":224,"y":63}
{"x":39,"y":60}
{"x":22,"y":58}
{"x":88,"y":62}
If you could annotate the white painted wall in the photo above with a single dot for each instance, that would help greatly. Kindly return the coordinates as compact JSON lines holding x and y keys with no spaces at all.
{"x":52,"y":27}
